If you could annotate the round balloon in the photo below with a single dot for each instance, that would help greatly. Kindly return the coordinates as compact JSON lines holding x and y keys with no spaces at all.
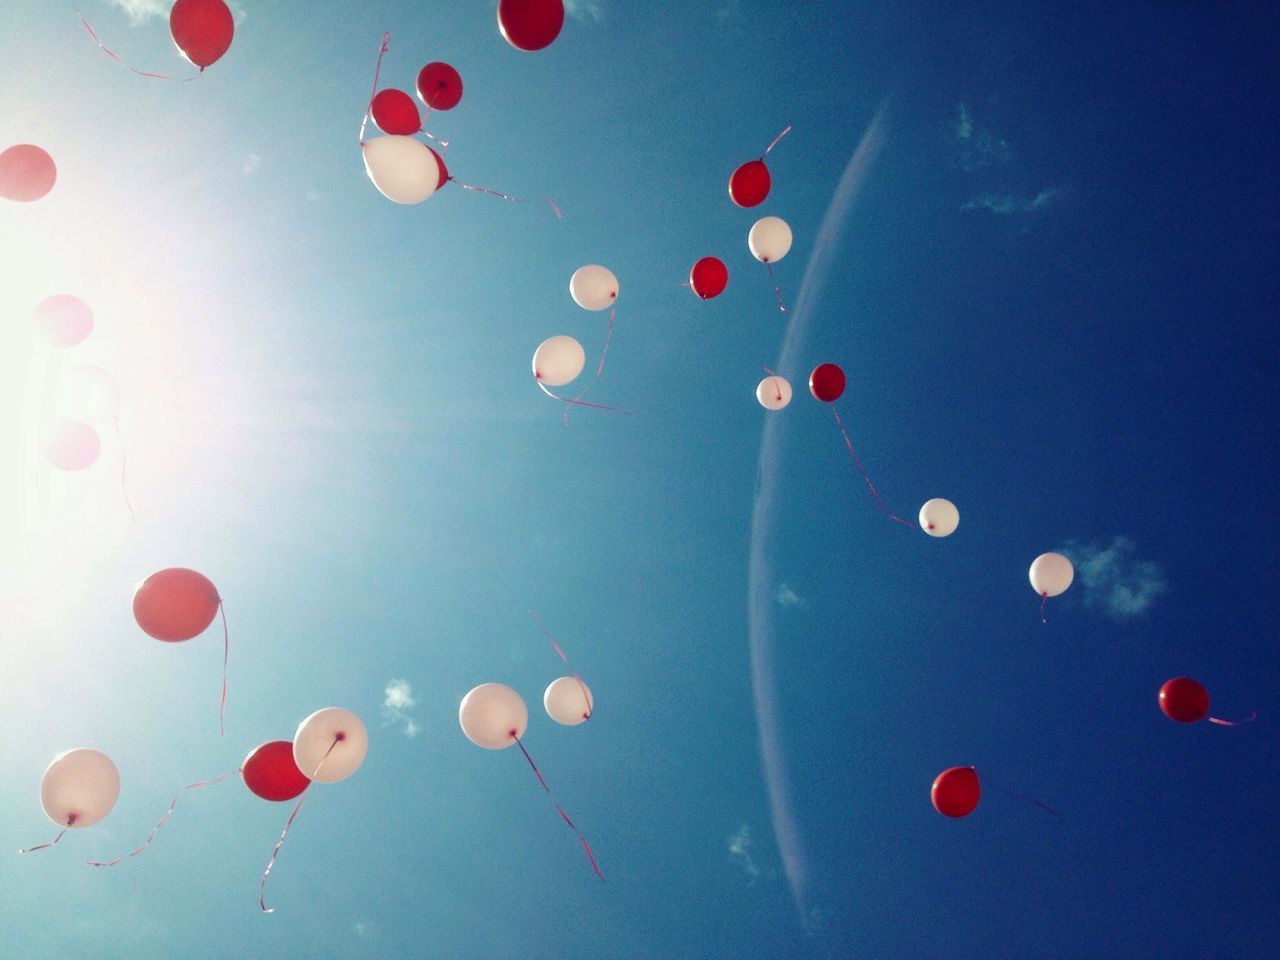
{"x":201,"y":29}
{"x":530,"y":24}
{"x":955,"y":791}
{"x":1184,"y":700}
{"x":439,"y":86}
{"x":394,"y":112}
{"x":708,"y":277}
{"x":92,"y":394}
{"x":63,"y":320}
{"x":1051,"y":574}
{"x":769,"y":239}
{"x":270,"y":772}
{"x":558,"y":360}
{"x":71,"y":445}
{"x":749,"y":184}
{"x":492,"y":715}
{"x":175,"y":604}
{"x":27,"y":173}
{"x":403,"y":169}
{"x":79,"y":787}
{"x":826,"y":383}
{"x":568,"y":700}
{"x":773,"y":392}
{"x":593,"y":287}
{"x":939,"y":517}
{"x":330,"y":745}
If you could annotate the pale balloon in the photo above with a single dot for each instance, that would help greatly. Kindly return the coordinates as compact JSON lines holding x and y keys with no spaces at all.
{"x":769,"y":239}
{"x":71,"y":445}
{"x":558,"y":360}
{"x":773,"y":392}
{"x":1051,"y":574}
{"x":939,"y":517}
{"x":330,"y":745}
{"x":402,"y":168}
{"x":593,"y":287}
{"x":492,"y":715}
{"x":568,"y":700}
{"x":79,"y":787}
{"x":92,"y":394}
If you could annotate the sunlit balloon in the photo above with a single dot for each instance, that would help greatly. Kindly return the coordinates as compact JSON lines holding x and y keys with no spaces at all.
{"x":530,"y":24}
{"x":1051,"y":574}
{"x":27,"y":173}
{"x":92,"y":394}
{"x":939,"y":517}
{"x":593,"y":287}
{"x":558,"y":360}
{"x":404,"y":169}
{"x":71,"y":445}
{"x":773,"y":392}
{"x":439,"y":86}
{"x":79,"y":787}
{"x":175,"y":604}
{"x":493,"y":715}
{"x":394,"y":112}
{"x":1184,"y":700}
{"x":769,"y":239}
{"x":749,"y":184}
{"x":63,"y":320}
{"x":202,"y":30}
{"x":330,"y":745}
{"x":568,"y":700}
{"x":270,"y":772}
{"x":708,"y":277}
{"x":826,"y":382}
{"x":955,"y":791}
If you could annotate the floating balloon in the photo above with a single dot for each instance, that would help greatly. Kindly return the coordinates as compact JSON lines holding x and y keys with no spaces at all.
{"x":439,"y":86}
{"x":394,"y":112}
{"x":175,"y":604}
{"x":826,"y":382}
{"x":493,"y":716}
{"x":1050,"y":575}
{"x":939,"y":517}
{"x":568,"y":701}
{"x":708,"y":277}
{"x":558,"y":360}
{"x":270,"y":772}
{"x":330,"y":745}
{"x":79,"y":787}
{"x":773,"y":392}
{"x":593,"y":287}
{"x":955,"y":791}
{"x":402,"y":168}
{"x":769,"y":239}
{"x":27,"y":173}
{"x":1187,"y":701}
{"x":71,"y":445}
{"x":201,"y":29}
{"x":63,"y":320}
{"x":530,"y":24}
{"x":749,"y":183}
{"x":92,"y":394}
{"x":444,"y":171}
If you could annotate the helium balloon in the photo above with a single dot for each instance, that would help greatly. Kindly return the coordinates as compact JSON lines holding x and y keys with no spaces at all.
{"x":394,"y":112}
{"x":71,"y":445}
{"x":773,"y":392}
{"x":939,"y":517}
{"x":493,"y":715}
{"x":709,"y":277}
{"x":79,"y":787}
{"x":92,"y":394}
{"x":444,"y":171}
{"x":175,"y":604}
{"x":558,"y":360}
{"x":201,"y":29}
{"x":568,"y":701}
{"x":1051,"y":574}
{"x":27,"y":173}
{"x":270,"y":772}
{"x":955,"y":791}
{"x":593,"y":287}
{"x":769,"y":239}
{"x":63,"y":320}
{"x":826,"y":383}
{"x":1184,"y":700}
{"x":749,"y":184}
{"x":530,"y":24}
{"x":402,"y":168}
{"x":439,"y":86}
{"x":330,"y":745}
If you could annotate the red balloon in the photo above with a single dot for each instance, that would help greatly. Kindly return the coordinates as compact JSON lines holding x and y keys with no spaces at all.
{"x":444,"y":171}
{"x":26,"y":173}
{"x":955,"y":791}
{"x":1184,"y":700}
{"x":439,"y":86}
{"x":749,"y":184}
{"x":271,"y":772}
{"x":71,"y":445}
{"x":395,"y":112}
{"x":826,"y":382}
{"x":175,"y":604}
{"x":530,"y":24}
{"x":64,"y":320}
{"x":709,"y":277}
{"x":201,"y":29}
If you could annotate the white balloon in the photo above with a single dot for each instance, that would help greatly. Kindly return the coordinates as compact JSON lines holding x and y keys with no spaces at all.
{"x":79,"y":787}
{"x":1051,"y":574}
{"x":565,"y":703}
{"x":402,"y":168}
{"x":774,"y":392}
{"x":939,"y":517}
{"x":92,"y":394}
{"x":558,"y":360}
{"x":593,"y":287}
{"x":330,"y":745}
{"x":769,"y":239}
{"x":492,"y":715}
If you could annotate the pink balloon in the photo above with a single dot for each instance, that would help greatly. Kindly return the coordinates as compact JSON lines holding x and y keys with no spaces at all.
{"x":26,"y":173}
{"x":63,"y":320}
{"x":71,"y":445}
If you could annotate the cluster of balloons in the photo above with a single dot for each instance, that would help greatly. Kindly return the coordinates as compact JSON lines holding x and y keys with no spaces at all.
{"x":559,"y":359}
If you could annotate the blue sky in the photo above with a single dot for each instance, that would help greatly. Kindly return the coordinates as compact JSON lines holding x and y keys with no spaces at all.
{"x":1050,"y":279}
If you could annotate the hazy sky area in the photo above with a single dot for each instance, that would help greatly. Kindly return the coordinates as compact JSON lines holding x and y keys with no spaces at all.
{"x":1040,"y":240}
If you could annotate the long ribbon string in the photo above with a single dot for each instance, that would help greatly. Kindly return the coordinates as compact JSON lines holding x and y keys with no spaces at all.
{"x":159,"y":823}
{"x":559,"y":809}
{"x":275,"y":852}
{"x":777,"y":291}
{"x":1253,"y":715}
{"x":581,"y":403}
{"x":1017,"y":796}
{"x":494,"y":193}
{"x":1043,"y":599}
{"x":774,"y":142}
{"x":120,"y":60}
{"x":858,"y":463}
{"x":586,"y":699}
{"x":43,"y":846}
{"x":368,"y":110}
{"x":226,"y":653}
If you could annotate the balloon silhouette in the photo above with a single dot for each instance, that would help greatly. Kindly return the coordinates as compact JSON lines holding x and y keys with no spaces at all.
{"x":394,"y":112}
{"x":1187,"y":701}
{"x":708,"y":277}
{"x":530,"y":24}
{"x":769,"y":240}
{"x":402,"y":168}
{"x":773,"y":392}
{"x":63,"y":320}
{"x":78,"y":788}
{"x":567,"y":700}
{"x":939,"y":517}
{"x":1050,"y":574}
{"x":749,"y":183}
{"x":558,"y":360}
{"x":955,"y":791}
{"x":270,"y":772}
{"x":201,"y":29}
{"x":27,"y":173}
{"x":439,"y":86}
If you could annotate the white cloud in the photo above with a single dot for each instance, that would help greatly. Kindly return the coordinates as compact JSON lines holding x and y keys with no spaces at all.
{"x":584,"y":10}
{"x":140,"y":11}
{"x":788,"y":598}
{"x":1113,"y":579}
{"x":1007,"y":203}
{"x":979,"y":146}
{"x":740,"y":851}
{"x":252,"y":162}
{"x":396,"y":706}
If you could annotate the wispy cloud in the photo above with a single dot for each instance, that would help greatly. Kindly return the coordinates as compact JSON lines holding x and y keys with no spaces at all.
{"x":584,"y":10}
{"x":1113,"y":579}
{"x":788,"y":599}
{"x":140,"y":11}
{"x":740,"y":851}
{"x":979,"y":147}
{"x":395,"y":708}
{"x":1011,"y":203}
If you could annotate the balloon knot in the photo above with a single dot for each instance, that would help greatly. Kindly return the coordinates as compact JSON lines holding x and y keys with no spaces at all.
{"x":339,"y":737}
{"x":71,"y":819}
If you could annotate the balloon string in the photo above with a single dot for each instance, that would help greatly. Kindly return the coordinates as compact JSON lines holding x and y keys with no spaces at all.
{"x":1017,"y":796}
{"x":1043,"y":599}
{"x":559,"y":809}
{"x":1253,"y":715}
{"x":159,"y":823}
{"x":120,"y":60}
{"x":42,"y":846}
{"x":776,"y":290}
{"x":858,"y":463}
{"x":581,"y":403}
{"x":774,"y":143}
{"x":262,"y":885}
{"x":586,"y":698}
{"x":444,"y":144}
{"x":777,"y":389}
{"x":368,"y":111}
{"x":124,"y":462}
{"x":494,"y":193}
{"x":226,"y":653}
{"x":599,"y":366}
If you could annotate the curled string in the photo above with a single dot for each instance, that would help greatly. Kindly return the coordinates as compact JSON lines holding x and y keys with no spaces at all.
{"x":773,"y":143}
{"x":1043,"y":599}
{"x":124,"y":463}
{"x":777,"y":292}
{"x":586,"y":699}
{"x":43,"y":846}
{"x":275,"y":852}
{"x":368,"y":110}
{"x":559,"y":809}
{"x":159,"y":823}
{"x":120,"y":60}
{"x":1025,"y":798}
{"x":608,"y":337}
{"x":581,"y":403}
{"x":494,"y":193}
{"x":226,"y":652}
{"x":858,"y":463}
{"x":1253,"y":715}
